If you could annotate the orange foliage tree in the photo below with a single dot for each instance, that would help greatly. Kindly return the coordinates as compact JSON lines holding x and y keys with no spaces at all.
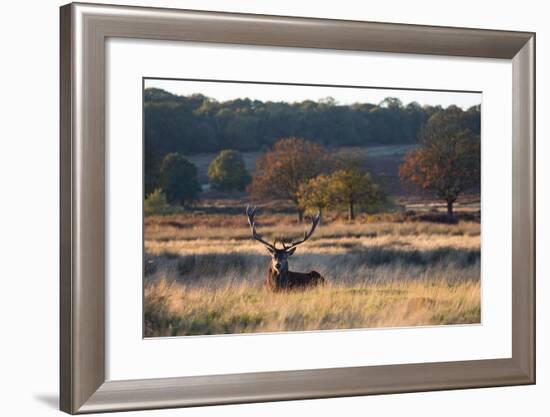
{"x":448,"y":160}
{"x":281,"y":171}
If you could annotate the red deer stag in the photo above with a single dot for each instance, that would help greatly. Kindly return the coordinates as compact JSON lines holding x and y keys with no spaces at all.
{"x":279,"y":278}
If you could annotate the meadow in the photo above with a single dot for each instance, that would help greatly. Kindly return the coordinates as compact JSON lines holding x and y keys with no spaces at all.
{"x":204,"y":273}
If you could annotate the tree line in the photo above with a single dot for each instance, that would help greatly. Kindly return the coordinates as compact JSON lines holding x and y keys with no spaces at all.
{"x":305,"y":173}
{"x":196,"y":124}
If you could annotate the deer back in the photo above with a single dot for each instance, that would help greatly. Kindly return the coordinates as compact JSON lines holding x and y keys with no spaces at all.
{"x":304,"y":280}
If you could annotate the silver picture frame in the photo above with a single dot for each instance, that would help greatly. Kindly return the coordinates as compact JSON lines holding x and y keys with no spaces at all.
{"x":83,"y":33}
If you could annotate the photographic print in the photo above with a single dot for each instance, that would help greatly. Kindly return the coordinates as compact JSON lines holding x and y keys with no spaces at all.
{"x":283,"y":207}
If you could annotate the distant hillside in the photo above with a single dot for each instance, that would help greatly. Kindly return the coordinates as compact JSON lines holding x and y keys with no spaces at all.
{"x":382,"y":161}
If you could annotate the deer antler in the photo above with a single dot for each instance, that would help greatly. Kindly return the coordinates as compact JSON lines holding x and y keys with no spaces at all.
{"x":307,"y":234}
{"x":250,"y":212}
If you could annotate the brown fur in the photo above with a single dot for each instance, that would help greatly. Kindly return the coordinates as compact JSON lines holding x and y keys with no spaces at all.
{"x":289,"y":281}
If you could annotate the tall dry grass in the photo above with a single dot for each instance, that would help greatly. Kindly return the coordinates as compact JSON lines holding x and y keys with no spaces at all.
{"x":204,"y":275}
{"x":174,"y":309}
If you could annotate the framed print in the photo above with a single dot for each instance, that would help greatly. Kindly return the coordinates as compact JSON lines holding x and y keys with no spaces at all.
{"x":225,"y":189}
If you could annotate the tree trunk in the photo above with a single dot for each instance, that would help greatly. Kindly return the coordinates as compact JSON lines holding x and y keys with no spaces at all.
{"x":450,"y":214}
{"x":351,"y":214}
{"x":300,"y":215}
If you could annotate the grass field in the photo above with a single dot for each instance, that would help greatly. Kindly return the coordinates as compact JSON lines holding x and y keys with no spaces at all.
{"x":204,"y":273}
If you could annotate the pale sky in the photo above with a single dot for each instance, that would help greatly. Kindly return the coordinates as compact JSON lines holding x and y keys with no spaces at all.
{"x":222,"y":91}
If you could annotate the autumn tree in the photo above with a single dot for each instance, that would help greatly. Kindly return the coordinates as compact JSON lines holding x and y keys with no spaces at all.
{"x":227,"y":172}
{"x":281,"y":171}
{"x":179,"y":179}
{"x":448,"y":159}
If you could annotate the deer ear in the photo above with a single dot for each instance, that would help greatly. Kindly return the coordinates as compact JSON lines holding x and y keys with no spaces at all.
{"x":291,"y":251}
{"x":271,"y":251}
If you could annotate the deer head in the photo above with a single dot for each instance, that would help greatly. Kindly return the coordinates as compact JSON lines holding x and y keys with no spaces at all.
{"x":279,"y":256}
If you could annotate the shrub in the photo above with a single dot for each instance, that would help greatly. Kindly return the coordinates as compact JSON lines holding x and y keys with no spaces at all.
{"x":156,"y":203}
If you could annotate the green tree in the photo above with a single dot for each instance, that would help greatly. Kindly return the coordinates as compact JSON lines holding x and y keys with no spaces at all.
{"x":314,"y":194}
{"x":448,"y":161}
{"x":227,"y":172}
{"x":353,"y":188}
{"x":179,"y":179}
{"x":281,"y":171}
{"x":156,"y":203}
